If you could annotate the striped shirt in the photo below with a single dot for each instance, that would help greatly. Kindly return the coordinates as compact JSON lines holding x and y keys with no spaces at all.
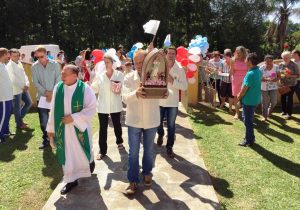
{"x":225,"y":68}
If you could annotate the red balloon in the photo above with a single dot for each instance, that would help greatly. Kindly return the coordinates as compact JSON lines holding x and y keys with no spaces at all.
{"x":190,"y":74}
{"x":98,"y":55}
{"x":179,"y":58}
{"x":182,"y":51}
{"x":184,"y":62}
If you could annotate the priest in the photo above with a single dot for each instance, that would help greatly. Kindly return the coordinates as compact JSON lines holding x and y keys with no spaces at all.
{"x":69,"y":127}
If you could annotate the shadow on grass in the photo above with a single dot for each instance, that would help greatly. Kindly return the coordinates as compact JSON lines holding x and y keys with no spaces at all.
{"x":265,"y":130}
{"x":207,"y":116}
{"x":17,"y":142}
{"x":51,"y":168}
{"x":196,"y":176}
{"x":87,"y":195}
{"x":280,"y":162}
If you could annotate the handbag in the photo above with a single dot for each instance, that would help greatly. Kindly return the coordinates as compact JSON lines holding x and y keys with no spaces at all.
{"x":116,"y":87}
{"x":284,"y":90}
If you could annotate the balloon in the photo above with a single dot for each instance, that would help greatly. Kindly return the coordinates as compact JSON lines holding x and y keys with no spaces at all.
{"x":130,"y":54}
{"x":195,"y":50}
{"x":189,"y":74}
{"x":179,"y":58}
{"x":138,"y":45}
{"x":111,"y":51}
{"x":194,"y":58}
{"x":192,"y":80}
{"x":192,"y":67}
{"x":184,"y":62}
{"x":98,"y":55}
{"x":182,"y":51}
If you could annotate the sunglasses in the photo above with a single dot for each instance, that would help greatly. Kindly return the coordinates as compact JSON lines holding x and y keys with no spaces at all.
{"x":38,"y":57}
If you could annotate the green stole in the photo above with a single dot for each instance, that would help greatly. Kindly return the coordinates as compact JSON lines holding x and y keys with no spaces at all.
{"x":59,"y":113}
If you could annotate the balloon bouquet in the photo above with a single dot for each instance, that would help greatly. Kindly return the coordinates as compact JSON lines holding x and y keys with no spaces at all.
{"x":190,"y":56}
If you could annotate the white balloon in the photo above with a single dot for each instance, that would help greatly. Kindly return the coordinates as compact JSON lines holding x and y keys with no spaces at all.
{"x":195,"y":50}
{"x":111,"y":51}
{"x":194,"y":58}
{"x":192,"y":80}
{"x":192,"y":67}
{"x":139,"y":45}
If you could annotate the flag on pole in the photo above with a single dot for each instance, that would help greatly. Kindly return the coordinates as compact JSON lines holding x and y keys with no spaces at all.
{"x":167,"y":42}
{"x":151,"y":27}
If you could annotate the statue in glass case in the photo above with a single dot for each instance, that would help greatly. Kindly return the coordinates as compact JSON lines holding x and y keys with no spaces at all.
{"x":154,"y":74}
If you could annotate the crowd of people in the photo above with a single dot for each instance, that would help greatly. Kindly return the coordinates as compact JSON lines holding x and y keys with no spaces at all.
{"x":75,"y":92}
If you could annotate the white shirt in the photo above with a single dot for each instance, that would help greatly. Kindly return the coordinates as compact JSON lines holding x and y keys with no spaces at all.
{"x":76,"y":165}
{"x":108,"y":101}
{"x":17,"y":76}
{"x":6,"y":89}
{"x":180,"y":83}
{"x":140,"y":113}
{"x":268,"y":85}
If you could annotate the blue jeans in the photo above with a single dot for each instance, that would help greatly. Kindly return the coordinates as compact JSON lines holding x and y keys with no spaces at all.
{"x":248,"y":116}
{"x":5,"y":113}
{"x":134,"y":140}
{"x":44,"y":116}
{"x":171,"y":113}
{"x":19,"y":111}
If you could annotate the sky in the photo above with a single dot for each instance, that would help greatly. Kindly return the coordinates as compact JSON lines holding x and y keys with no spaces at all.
{"x":294,"y":18}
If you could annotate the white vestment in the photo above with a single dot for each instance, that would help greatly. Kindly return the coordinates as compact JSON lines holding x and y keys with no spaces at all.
{"x":76,"y":164}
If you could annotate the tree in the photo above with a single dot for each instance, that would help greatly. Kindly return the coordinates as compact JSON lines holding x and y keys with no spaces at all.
{"x":282,"y":10}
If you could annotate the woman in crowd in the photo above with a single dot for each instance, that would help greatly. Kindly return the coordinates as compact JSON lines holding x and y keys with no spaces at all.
{"x":87,"y":67}
{"x":270,"y":76}
{"x":238,"y":72}
{"x":108,"y":86}
{"x":225,"y":86}
{"x":215,"y":64}
{"x":289,"y":74}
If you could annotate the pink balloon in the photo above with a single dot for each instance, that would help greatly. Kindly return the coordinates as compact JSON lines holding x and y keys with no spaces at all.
{"x":192,"y":67}
{"x":184,"y":62}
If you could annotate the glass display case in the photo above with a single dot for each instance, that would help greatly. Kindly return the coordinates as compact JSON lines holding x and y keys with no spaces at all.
{"x":154,"y":74}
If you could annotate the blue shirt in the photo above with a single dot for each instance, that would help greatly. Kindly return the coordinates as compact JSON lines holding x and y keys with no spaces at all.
{"x":45,"y":78}
{"x":252,"y":80}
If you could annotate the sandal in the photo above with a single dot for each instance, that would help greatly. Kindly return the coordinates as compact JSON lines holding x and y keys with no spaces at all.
{"x":100,"y":156}
{"x":120,"y":146}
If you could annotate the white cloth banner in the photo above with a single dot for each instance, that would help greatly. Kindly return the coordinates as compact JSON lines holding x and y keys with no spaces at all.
{"x":151,"y":27}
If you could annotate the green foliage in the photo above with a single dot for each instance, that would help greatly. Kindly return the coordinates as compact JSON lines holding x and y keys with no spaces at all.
{"x":77,"y":24}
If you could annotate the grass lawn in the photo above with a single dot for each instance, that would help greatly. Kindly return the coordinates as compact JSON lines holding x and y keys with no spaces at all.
{"x":27,"y":172}
{"x":265,"y":176}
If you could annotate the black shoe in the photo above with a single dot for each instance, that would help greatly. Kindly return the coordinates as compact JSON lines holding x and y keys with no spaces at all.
{"x":44,"y":145}
{"x":68,"y":187}
{"x":92,"y":166}
{"x":170,"y":153}
{"x":160,"y":140}
{"x":2,"y":140}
